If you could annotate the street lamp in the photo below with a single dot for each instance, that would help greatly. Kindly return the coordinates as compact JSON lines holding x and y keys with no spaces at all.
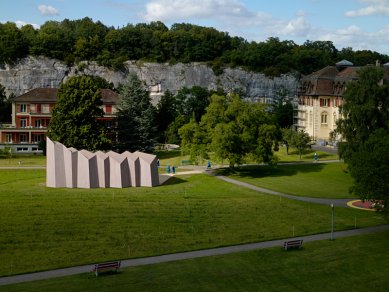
{"x":332,"y":222}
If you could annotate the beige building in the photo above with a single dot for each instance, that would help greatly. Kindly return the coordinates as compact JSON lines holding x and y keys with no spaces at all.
{"x":320,"y":96}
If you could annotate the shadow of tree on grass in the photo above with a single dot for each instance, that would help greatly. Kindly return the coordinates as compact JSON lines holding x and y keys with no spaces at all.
{"x":259,"y":171}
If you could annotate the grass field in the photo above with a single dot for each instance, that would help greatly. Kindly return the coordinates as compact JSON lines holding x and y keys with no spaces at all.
{"x":318,"y":180}
{"x":43,"y":228}
{"x":358,"y":263}
{"x":24,"y":160}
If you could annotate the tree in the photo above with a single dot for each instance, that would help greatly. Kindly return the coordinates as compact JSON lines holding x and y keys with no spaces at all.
{"x":192,"y":102}
{"x":301,"y":141}
{"x":365,"y":128}
{"x":287,"y":135}
{"x":282,"y":109}
{"x":166,"y":113}
{"x":74,"y":120}
{"x":5,"y":106}
{"x":232,"y":129}
{"x":135,"y":117}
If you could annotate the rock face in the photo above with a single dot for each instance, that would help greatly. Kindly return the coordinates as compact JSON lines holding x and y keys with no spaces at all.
{"x":33,"y":72}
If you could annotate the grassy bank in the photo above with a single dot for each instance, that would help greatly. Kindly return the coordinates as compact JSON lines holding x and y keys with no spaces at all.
{"x":318,"y":180}
{"x":44,"y":228}
{"x":357,"y":263}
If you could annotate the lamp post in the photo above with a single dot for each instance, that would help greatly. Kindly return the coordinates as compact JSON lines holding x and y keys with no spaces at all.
{"x":332,"y":222}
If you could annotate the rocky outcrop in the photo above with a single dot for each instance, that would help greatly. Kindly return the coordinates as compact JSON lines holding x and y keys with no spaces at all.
{"x":33,"y":72}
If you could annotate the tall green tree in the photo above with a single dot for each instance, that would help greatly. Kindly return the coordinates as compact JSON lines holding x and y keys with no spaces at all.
{"x":301,"y":141}
{"x":232,"y":129}
{"x":365,"y":128}
{"x":74,"y":120}
{"x":191,"y":102}
{"x":5,"y":106}
{"x":136,"y":125}
{"x":166,"y":113}
{"x":282,"y":109}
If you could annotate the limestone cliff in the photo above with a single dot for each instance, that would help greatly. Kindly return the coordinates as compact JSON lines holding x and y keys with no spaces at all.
{"x":33,"y":72}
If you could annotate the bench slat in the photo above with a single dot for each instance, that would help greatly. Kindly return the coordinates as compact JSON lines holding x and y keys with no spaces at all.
{"x":293,"y":243}
{"x":106,"y":266}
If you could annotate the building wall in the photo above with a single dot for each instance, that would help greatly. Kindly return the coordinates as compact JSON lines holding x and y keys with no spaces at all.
{"x":37,"y":116}
{"x":316,"y":118}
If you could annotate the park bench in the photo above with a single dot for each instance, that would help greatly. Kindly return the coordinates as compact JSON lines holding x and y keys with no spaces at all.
{"x":293,"y":244}
{"x":185,"y":162}
{"x":106,"y":266}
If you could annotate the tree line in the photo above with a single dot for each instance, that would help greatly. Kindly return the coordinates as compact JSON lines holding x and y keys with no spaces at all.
{"x":72,"y":41}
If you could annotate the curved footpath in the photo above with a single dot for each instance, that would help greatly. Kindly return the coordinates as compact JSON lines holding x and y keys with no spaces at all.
{"x":336,"y":202}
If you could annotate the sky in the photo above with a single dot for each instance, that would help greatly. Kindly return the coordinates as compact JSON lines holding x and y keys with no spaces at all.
{"x":359,"y":24}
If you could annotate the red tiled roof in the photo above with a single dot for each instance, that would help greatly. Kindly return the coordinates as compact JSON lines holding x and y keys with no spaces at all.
{"x":39,"y":94}
{"x":49,"y":95}
{"x":324,"y":79}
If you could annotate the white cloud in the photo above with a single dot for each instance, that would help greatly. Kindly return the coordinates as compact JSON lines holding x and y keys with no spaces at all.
{"x":170,"y":10}
{"x":20,"y":23}
{"x":373,"y":7}
{"x":47,"y":10}
{"x":296,"y":27}
{"x":353,"y":36}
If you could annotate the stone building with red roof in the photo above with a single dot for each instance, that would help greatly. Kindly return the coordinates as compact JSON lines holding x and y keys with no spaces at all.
{"x":31,"y":113}
{"x":320,"y":96}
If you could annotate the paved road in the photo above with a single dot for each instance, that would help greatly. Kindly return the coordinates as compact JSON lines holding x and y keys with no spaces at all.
{"x":186,"y":255}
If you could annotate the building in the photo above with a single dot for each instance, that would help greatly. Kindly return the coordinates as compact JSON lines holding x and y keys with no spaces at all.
{"x":320,"y":96}
{"x":31,"y":113}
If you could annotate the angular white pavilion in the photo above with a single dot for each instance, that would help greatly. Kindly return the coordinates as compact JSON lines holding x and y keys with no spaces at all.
{"x":70,"y":168}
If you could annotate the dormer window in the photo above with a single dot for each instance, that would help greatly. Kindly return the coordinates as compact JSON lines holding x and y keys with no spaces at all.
{"x":324,"y":102}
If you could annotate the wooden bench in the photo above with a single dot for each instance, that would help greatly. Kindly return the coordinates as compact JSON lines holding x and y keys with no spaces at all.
{"x":293,"y":244}
{"x":106,"y":266}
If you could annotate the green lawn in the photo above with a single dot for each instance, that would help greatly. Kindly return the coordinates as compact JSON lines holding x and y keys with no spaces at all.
{"x":45,"y":228}
{"x":318,"y":180}
{"x":306,"y":156}
{"x":24,"y":160}
{"x":358,"y":263}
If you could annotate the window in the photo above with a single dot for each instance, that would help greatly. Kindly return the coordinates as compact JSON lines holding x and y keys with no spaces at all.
{"x":23,"y":138}
{"x":108,"y":109}
{"x":108,"y":124}
{"x":38,"y":123}
{"x":45,"y":109}
{"x":21,"y":149}
{"x":23,"y":108}
{"x":324,"y":118}
{"x":8,"y":138}
{"x":23,"y":123}
{"x":324,"y":102}
{"x":37,"y":138}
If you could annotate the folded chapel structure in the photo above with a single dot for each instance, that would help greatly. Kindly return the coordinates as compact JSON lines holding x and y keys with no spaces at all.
{"x":70,"y":168}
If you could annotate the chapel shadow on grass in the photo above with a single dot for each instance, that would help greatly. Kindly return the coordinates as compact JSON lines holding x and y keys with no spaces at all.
{"x":174,"y":181}
{"x":167,"y":154}
{"x":259,"y":171}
